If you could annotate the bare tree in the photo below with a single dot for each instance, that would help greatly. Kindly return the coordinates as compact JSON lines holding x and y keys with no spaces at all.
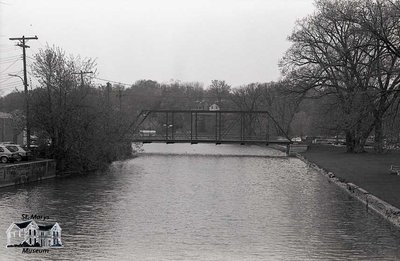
{"x":248,"y":98}
{"x":271,"y":97}
{"x":79,"y":120}
{"x":334,"y":55}
{"x":220,"y":90}
{"x":281,"y":103}
{"x":381,"y":20}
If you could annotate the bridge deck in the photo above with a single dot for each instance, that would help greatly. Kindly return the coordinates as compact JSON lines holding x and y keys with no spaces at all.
{"x":192,"y":141}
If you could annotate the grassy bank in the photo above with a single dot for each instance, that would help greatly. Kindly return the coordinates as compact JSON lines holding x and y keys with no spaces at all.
{"x":367,"y":170}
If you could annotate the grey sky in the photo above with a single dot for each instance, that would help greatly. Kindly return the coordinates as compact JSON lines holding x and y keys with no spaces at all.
{"x":234,"y":40}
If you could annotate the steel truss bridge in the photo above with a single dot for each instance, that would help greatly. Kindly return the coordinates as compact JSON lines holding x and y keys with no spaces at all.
{"x":204,"y":126}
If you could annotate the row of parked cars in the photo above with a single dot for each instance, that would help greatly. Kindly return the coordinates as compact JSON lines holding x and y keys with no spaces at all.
{"x":10,"y":152}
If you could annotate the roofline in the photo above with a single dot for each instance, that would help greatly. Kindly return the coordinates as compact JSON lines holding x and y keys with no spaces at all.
{"x":10,"y":227}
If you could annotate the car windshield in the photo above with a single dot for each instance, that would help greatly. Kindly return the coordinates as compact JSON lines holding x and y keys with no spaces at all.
{"x":12,"y":148}
{"x":19,"y":148}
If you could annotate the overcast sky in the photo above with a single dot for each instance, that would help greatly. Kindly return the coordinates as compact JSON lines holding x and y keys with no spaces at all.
{"x":239,"y":41}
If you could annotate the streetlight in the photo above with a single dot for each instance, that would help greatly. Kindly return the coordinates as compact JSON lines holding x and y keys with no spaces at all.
{"x":28,"y":129}
{"x":14,"y":75}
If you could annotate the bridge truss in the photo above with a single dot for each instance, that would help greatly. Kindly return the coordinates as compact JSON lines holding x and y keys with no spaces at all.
{"x":203,"y":126}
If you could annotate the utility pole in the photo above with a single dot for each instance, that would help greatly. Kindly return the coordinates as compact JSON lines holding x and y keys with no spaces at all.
{"x":108,"y":90}
{"x":82,"y":73}
{"x":24,"y":46}
{"x":119,"y":95}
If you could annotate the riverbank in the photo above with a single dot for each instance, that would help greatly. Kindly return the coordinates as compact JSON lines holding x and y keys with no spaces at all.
{"x":366,"y":173}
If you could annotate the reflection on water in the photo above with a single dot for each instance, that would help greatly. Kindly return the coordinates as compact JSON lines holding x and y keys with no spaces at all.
{"x":190,"y":206}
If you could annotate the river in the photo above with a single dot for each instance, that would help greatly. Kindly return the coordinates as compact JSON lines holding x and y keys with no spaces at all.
{"x":201,"y":202}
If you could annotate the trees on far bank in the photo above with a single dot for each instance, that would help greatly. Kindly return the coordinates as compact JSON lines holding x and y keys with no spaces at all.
{"x":336,"y":53}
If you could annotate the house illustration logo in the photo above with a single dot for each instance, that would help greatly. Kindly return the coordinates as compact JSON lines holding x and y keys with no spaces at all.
{"x":31,"y":234}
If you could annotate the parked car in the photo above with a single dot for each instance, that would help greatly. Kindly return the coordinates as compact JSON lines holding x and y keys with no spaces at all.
{"x":147,"y":133}
{"x":6,"y":155}
{"x":23,"y":154}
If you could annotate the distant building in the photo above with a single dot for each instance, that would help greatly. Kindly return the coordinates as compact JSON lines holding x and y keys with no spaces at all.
{"x":213,"y":107}
{"x":7,"y":129}
{"x":30,"y":234}
{"x":205,"y":121}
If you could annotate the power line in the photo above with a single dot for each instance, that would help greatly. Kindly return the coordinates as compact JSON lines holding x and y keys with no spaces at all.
{"x":6,"y":47}
{"x":15,"y":81}
{"x":112,"y":81}
{"x":10,"y":84}
{"x":10,"y":57}
{"x":9,"y":60}
{"x":6,"y":79}
{"x":8,"y":52}
{"x":82,"y":73}
{"x":8,"y":67}
{"x":42,"y":44}
{"x":5,"y":61}
{"x":10,"y":72}
{"x":13,"y":56}
{"x":8,"y":89}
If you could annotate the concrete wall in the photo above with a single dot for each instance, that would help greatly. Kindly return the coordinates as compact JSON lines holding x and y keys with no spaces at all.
{"x":383,"y":208}
{"x":387,"y":211}
{"x":297,"y":148}
{"x":13,"y":174}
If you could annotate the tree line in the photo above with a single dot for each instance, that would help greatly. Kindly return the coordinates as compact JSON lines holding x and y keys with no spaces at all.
{"x":86,"y":126}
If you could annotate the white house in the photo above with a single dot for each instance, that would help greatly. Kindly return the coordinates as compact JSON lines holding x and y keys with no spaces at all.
{"x":50,"y":235}
{"x":18,"y":233}
{"x":29,"y":233}
{"x":213,"y":107}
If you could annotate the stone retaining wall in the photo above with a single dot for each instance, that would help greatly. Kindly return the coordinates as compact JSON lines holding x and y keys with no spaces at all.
{"x":13,"y":174}
{"x":297,"y":148}
{"x":389,"y":212}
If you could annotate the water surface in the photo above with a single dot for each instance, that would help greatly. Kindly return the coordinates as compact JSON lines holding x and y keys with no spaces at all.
{"x":202,"y":202}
